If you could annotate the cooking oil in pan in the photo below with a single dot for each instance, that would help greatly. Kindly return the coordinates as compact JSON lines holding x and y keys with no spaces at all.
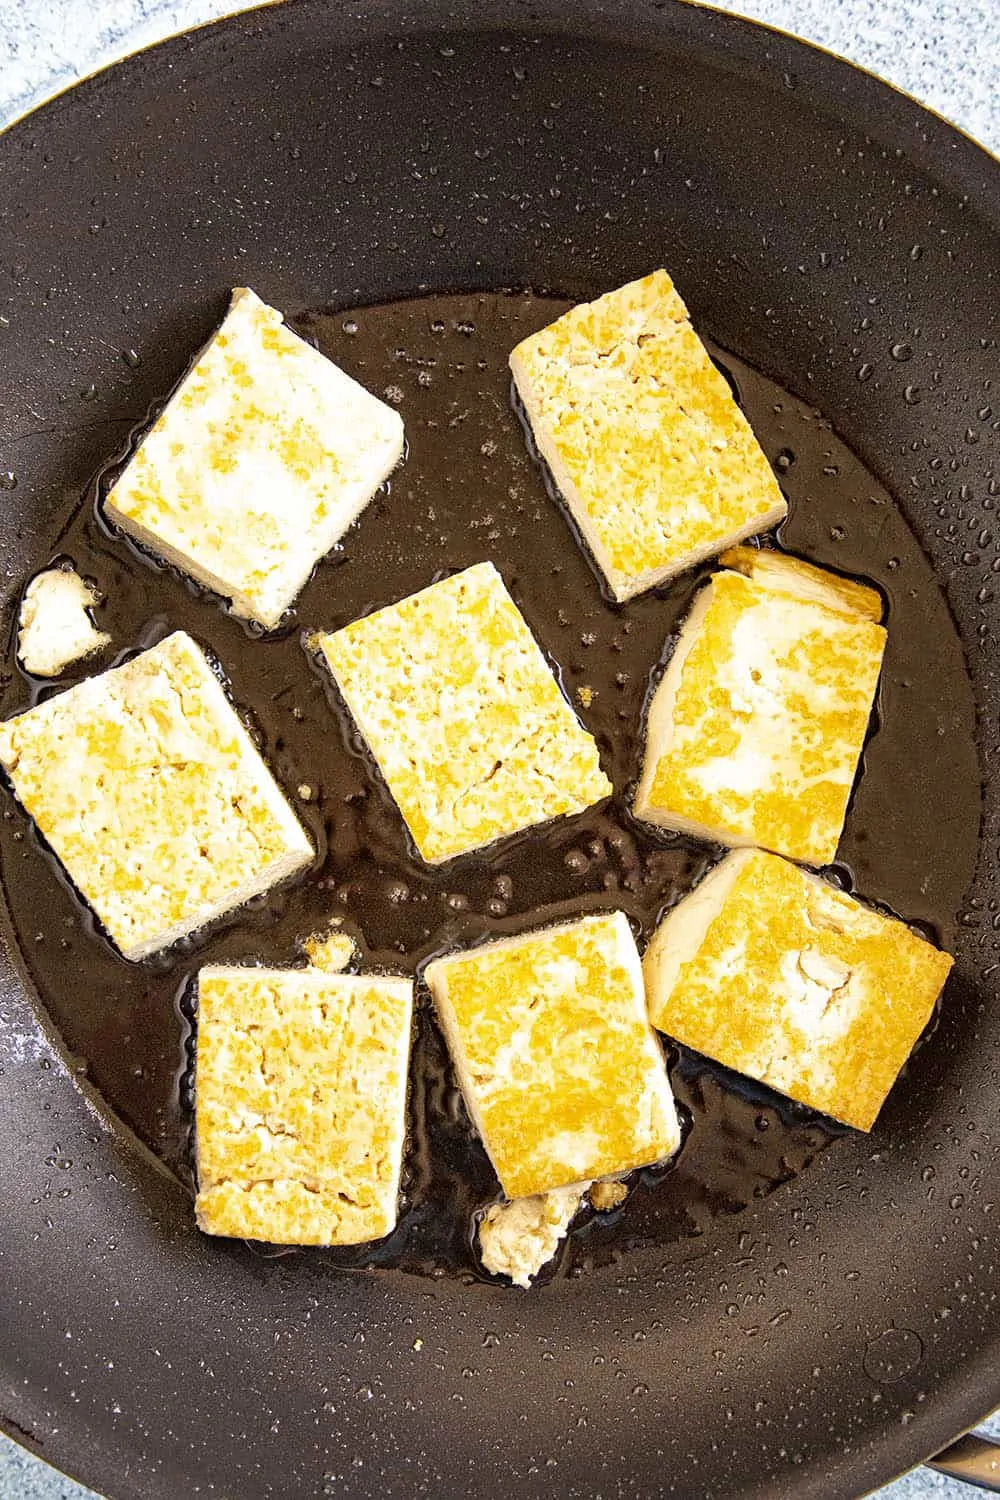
{"x":469,"y":490}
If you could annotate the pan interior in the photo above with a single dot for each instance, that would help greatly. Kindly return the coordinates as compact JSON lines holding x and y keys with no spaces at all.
{"x":469,"y":489}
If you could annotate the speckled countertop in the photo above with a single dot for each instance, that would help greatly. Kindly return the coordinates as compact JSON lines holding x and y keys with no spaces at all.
{"x":942,"y":51}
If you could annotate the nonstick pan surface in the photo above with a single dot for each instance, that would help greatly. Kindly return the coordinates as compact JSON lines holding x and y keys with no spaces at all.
{"x":815,"y":221}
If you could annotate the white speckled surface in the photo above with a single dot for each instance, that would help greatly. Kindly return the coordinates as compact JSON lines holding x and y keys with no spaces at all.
{"x":943,"y":52}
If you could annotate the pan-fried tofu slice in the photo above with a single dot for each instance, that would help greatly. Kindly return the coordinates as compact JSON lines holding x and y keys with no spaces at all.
{"x":300,"y":1104}
{"x":775,"y":974}
{"x":463,"y":715}
{"x":54,"y":624}
{"x":153,"y":796}
{"x":562,"y":1074}
{"x":655,"y":460}
{"x":263,"y":457}
{"x":755,"y":731}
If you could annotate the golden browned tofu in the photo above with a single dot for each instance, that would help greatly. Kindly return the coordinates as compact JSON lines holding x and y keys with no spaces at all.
{"x":153,"y":796}
{"x":755,"y":730}
{"x":775,"y":974}
{"x":261,"y":460}
{"x":463,"y":715}
{"x":561,"y":1071}
{"x":804,"y":580}
{"x":300,"y":1104}
{"x":655,"y":460}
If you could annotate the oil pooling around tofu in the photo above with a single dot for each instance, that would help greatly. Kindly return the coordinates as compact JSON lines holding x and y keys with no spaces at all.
{"x":469,"y":493}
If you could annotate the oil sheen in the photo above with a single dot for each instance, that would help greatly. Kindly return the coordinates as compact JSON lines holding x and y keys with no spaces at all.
{"x":470,"y":489}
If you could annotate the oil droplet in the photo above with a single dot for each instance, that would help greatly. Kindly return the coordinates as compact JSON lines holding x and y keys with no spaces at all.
{"x":8,"y":480}
{"x":131,"y":358}
{"x":350,"y":327}
{"x":865,"y":371}
{"x":912,"y":395}
{"x":902,"y":352}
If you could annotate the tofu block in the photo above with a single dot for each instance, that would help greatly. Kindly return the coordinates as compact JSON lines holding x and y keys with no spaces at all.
{"x":755,"y":731}
{"x":300,"y":1104}
{"x":54,"y":624}
{"x":151,"y":793}
{"x":561,"y":1072}
{"x":263,"y":457}
{"x":463,"y":715}
{"x":517,"y":1239}
{"x":655,"y":460}
{"x":775,"y":974}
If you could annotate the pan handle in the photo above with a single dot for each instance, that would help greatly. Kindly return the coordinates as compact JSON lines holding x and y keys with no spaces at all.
{"x":974,"y":1459}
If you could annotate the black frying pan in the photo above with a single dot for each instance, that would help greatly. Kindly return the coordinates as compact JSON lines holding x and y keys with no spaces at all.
{"x":829,"y":220}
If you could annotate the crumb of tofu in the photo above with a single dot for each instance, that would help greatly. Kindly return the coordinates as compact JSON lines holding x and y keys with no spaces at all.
{"x":563,"y":1076}
{"x":54,"y":624}
{"x":755,"y":731}
{"x":332,"y":951}
{"x":778,"y":975}
{"x":653,"y":457}
{"x":300,"y":1109}
{"x":463,"y":715}
{"x":517,"y":1239}
{"x":585,"y":695}
{"x":607,"y":1195}
{"x":264,"y":456}
{"x":151,"y":793}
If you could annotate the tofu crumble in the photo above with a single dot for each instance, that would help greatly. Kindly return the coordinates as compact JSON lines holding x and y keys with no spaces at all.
{"x":300,"y":1114}
{"x":262,"y":459}
{"x":755,"y":731}
{"x":772,"y":972}
{"x":54,"y":624}
{"x":332,"y":951}
{"x":152,"y":795}
{"x":561,"y":1071}
{"x":517,"y":1239}
{"x":463,"y":715}
{"x":655,"y":460}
